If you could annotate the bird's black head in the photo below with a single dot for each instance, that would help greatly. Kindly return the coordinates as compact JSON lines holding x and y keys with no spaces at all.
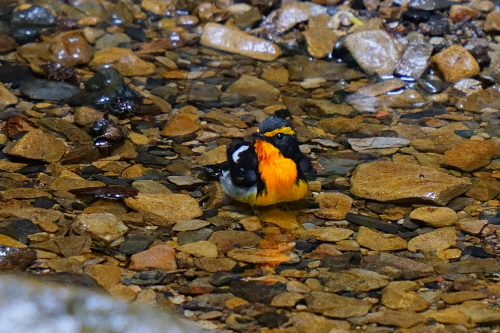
{"x":279,"y":131}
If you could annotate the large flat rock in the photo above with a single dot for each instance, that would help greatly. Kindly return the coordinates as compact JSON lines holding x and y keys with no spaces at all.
{"x":389,"y":181}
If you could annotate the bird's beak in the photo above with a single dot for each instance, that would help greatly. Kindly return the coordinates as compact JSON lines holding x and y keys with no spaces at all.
{"x":259,"y":136}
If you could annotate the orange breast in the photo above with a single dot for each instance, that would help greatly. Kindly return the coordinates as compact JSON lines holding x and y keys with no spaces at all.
{"x":279,"y":174}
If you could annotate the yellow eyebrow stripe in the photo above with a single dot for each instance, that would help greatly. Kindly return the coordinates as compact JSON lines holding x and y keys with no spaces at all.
{"x":283,"y":130}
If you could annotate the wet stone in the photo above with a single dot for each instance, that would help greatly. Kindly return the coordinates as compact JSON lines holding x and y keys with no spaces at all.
{"x":399,"y":318}
{"x":135,"y":243}
{"x":6,"y":97}
{"x":377,"y":241}
{"x":484,"y":189}
{"x":467,"y":266}
{"x":437,"y":240}
{"x":324,"y":234}
{"x":455,"y":63}
{"x":492,"y":22}
{"x":353,"y":280}
{"x":124,"y":60}
{"x":333,"y":206}
{"x":256,"y":291}
{"x":214,"y":265}
{"x":249,"y":86}
{"x":186,"y":237}
{"x":18,"y":229}
{"x":13,"y":259}
{"x":375,"y":51}
{"x":471,"y":155}
{"x":402,"y":295}
{"x":48,"y":90}
{"x":231,"y":40}
{"x":409,"y":268}
{"x":73,"y":245}
{"x":101,"y":227}
{"x":158,"y":257}
{"x":165,"y":209}
{"x":227,"y":239}
{"x":435,"y":216}
{"x":320,"y":39}
{"x":259,"y":256}
{"x":388,"y":181}
{"x":200,"y":249}
{"x":332,"y":305}
{"x":414,"y":61}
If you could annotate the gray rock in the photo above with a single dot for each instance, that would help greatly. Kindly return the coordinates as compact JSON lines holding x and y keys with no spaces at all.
{"x":375,"y":51}
{"x":377,"y":143}
{"x":48,"y":90}
{"x":415,"y":60}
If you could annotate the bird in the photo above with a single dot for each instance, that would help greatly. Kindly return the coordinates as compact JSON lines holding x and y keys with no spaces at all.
{"x":269,"y":169}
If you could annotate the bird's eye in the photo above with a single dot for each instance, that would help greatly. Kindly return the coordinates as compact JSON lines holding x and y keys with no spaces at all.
{"x":279,"y":136}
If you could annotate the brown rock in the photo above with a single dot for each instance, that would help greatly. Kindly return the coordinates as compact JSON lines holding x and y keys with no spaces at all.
{"x":472,"y":227}
{"x":388,"y":181}
{"x":332,"y":305}
{"x":24,"y":193}
{"x":36,"y":215}
{"x":435,"y":216}
{"x":378,"y":241}
{"x":303,"y":321}
{"x":38,"y":145}
{"x":290,"y":15}
{"x":286,"y":299}
{"x":339,"y":125}
{"x":213,"y":265}
{"x":461,"y":13}
{"x":462,"y":296}
{"x":180,"y":125}
{"x":102,"y":227}
{"x":70,"y":48}
{"x":402,"y":295}
{"x":484,"y":189}
{"x":436,"y":240}
{"x":471,"y":154}
{"x":106,"y":275}
{"x":467,"y":266}
{"x":480,"y":312}
{"x":450,"y":315}
{"x":213,"y":156}
{"x":7,"y":43}
{"x":410,"y":269}
{"x":250,"y":86}
{"x":482,"y":99}
{"x":224,"y":119}
{"x":158,"y":257}
{"x":259,"y":256}
{"x":399,"y":318}
{"x":455,"y":63}
{"x":6,"y":97}
{"x":124,"y":60}
{"x":375,"y":51}
{"x":319,"y":38}
{"x":327,"y":234}
{"x":227,"y":239}
{"x":333,"y":206}
{"x":353,"y":280}
{"x":165,"y":209}
{"x":200,"y":249}
{"x":492,"y":22}
{"x":73,"y":245}
{"x":231,"y":40}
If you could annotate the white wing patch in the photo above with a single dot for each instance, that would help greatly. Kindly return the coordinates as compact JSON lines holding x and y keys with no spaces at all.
{"x":236,"y":155}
